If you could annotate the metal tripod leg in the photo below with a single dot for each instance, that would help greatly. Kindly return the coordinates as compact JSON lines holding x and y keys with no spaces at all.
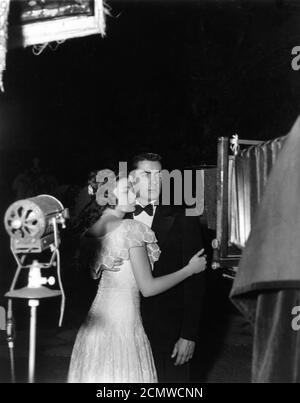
{"x":10,"y":339}
{"x":33,"y":303}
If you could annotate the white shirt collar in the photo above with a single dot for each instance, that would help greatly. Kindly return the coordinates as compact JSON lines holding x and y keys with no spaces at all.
{"x":153,"y":202}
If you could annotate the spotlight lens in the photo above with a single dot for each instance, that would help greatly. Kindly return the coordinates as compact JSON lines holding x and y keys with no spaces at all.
{"x":16,"y":224}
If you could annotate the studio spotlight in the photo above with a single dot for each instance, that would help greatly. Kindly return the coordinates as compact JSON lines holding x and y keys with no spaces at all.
{"x":33,"y":227}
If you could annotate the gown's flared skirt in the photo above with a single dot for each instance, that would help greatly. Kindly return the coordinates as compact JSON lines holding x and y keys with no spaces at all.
{"x":112,"y":348}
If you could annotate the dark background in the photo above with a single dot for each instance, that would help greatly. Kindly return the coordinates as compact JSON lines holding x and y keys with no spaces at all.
{"x":170,"y":76}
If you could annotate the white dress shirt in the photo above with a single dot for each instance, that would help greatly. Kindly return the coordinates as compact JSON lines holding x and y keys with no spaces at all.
{"x":144,"y":217}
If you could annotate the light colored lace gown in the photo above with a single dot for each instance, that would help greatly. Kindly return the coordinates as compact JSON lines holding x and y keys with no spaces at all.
{"x":111,"y":345}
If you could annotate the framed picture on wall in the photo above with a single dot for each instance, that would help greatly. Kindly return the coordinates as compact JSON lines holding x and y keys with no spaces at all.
{"x":33,"y":22}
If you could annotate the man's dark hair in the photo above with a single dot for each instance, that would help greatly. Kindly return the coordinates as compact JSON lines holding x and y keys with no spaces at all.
{"x":145,"y":157}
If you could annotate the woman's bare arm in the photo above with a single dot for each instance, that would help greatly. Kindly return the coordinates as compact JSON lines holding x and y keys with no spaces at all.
{"x":150,"y":285}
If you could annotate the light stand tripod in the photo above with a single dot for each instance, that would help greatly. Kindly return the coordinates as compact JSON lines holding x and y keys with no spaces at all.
{"x":34,"y":292}
{"x":35,"y":289}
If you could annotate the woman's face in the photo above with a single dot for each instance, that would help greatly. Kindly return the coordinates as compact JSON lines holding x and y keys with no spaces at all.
{"x":125,"y":196}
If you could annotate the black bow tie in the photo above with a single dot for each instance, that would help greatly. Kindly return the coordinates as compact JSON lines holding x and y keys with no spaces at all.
{"x":148,"y":209}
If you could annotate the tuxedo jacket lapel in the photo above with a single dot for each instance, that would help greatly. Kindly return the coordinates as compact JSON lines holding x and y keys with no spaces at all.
{"x":162,"y":223}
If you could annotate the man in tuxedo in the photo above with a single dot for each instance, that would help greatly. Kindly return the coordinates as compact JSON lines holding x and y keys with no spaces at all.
{"x":171,"y":319}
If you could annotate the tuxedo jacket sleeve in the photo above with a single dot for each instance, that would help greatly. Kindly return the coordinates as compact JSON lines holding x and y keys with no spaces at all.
{"x":194,"y":286}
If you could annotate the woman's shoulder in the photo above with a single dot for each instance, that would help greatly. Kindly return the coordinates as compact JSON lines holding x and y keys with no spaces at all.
{"x":139,"y":230}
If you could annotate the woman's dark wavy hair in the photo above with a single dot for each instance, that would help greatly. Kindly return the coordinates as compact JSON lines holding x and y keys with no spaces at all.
{"x":86,"y":250}
{"x":92,"y":210}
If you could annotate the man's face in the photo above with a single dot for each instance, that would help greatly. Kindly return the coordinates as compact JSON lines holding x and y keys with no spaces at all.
{"x":148,"y":181}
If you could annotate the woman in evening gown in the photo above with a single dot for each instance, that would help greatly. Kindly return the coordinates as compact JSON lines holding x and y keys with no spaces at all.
{"x":111,"y":345}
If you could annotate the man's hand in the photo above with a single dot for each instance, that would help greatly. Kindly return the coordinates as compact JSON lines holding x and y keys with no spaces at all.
{"x":184,"y":349}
